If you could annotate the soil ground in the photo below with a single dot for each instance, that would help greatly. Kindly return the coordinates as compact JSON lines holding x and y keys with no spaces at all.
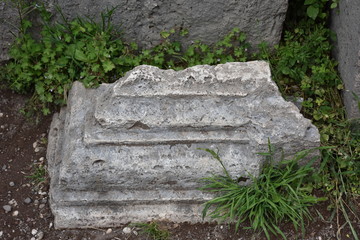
{"x":23,"y":150}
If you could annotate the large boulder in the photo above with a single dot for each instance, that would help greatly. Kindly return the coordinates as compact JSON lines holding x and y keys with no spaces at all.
{"x":128,"y":151}
{"x":345,"y":23}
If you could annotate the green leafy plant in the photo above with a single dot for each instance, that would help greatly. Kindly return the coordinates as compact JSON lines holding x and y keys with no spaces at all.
{"x":94,"y":53}
{"x":153,"y":230}
{"x":303,"y":67}
{"x":275,"y":196}
{"x":77,"y":50}
{"x":317,"y":8}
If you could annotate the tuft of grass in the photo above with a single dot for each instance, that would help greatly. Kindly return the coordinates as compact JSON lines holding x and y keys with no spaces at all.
{"x":153,"y":230}
{"x":277,"y":195}
{"x":38,"y":175}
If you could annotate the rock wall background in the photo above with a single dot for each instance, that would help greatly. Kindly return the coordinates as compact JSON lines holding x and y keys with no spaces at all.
{"x":143,"y":20}
{"x":345,"y":23}
{"x":9,"y":24}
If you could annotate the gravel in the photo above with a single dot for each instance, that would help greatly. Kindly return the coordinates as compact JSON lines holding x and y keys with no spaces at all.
{"x":127,"y":230}
{"x":7,"y":208}
{"x":34,"y":232}
{"x":27,"y":200}
{"x":40,"y":235}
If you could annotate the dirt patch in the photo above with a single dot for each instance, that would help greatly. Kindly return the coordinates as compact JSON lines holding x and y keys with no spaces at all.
{"x":25,"y":212}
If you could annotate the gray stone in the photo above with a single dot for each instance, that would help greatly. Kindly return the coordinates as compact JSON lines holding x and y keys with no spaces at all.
{"x":127,"y":230}
{"x":345,"y":22}
{"x":34,"y":231}
{"x":128,"y":151}
{"x":9,"y":25}
{"x":208,"y":21}
{"x":40,"y":235}
{"x":27,"y":200}
{"x":7,"y":208}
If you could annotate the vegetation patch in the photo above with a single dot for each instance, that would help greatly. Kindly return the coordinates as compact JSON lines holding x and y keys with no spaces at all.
{"x":277,"y":195}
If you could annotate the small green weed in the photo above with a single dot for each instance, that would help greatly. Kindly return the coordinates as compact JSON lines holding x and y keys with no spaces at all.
{"x":275,"y":196}
{"x":38,"y":175}
{"x":153,"y":230}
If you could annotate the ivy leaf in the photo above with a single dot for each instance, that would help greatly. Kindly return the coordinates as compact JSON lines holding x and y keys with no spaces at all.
{"x":312,"y":12}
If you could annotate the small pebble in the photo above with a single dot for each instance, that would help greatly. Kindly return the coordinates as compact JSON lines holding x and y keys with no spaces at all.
{"x":13,"y":202}
{"x":50,"y":225}
{"x":37,"y":149}
{"x":27,"y":200}
{"x":32,"y":238}
{"x":41,"y":159}
{"x":35,"y":144}
{"x":36,"y":202}
{"x":108,"y":231}
{"x":7,"y":208}
{"x":127,"y":230}
{"x":135,"y":233}
{"x":15,"y":213}
{"x":1,"y":233}
{"x":34,"y":232}
{"x":44,"y":200}
{"x":1,"y":114}
{"x":41,"y":206}
{"x":40,"y":235}
{"x":11,"y":184}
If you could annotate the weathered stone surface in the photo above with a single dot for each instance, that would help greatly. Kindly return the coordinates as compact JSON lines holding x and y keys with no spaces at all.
{"x":127,"y":151}
{"x":345,"y":23}
{"x":208,"y":21}
{"x":9,"y":25}
{"x":142,"y":21}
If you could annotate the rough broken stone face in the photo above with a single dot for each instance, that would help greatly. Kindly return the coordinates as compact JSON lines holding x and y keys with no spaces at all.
{"x":128,"y":151}
{"x":9,"y":27}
